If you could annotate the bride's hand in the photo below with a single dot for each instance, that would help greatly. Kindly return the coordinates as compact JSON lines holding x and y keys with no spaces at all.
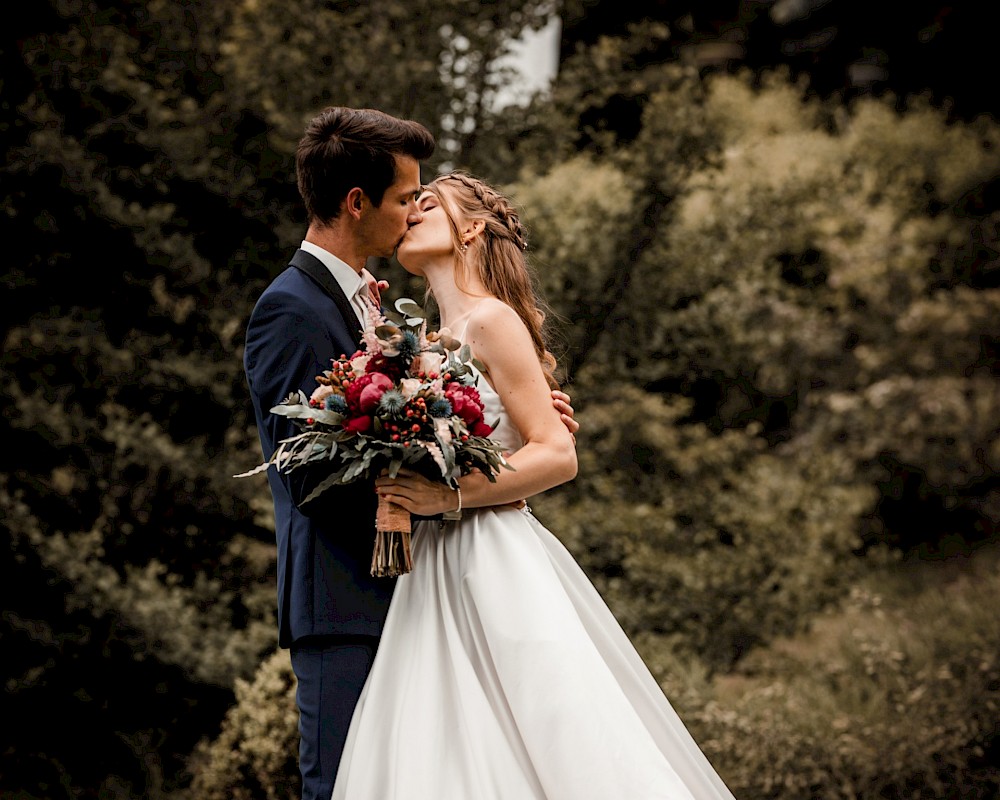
{"x":375,"y":286}
{"x":417,"y":494}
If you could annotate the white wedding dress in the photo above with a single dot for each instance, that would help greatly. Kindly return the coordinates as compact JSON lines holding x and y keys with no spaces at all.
{"x":502,"y":675}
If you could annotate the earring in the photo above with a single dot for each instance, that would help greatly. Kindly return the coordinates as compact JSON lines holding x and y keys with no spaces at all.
{"x":464,"y":246}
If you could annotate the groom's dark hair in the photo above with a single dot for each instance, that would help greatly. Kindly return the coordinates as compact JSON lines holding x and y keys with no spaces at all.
{"x":347,"y":147}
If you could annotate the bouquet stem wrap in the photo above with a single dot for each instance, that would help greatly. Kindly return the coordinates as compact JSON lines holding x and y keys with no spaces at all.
{"x":391,"y":555}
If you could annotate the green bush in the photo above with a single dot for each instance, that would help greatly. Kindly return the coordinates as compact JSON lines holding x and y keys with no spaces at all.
{"x":255,"y":755}
{"x":896,"y":694}
{"x":711,"y":543}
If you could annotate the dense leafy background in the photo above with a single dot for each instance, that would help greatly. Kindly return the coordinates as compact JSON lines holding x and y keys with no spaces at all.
{"x":768,"y":232}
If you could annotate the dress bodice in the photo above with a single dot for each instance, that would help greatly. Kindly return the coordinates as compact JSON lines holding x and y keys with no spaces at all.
{"x":495,"y":414}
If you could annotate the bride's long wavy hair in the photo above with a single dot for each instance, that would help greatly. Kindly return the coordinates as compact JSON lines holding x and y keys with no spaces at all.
{"x":497,"y":254}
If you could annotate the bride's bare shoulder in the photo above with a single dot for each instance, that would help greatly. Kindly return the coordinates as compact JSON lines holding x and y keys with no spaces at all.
{"x":492,"y":319}
{"x":499,"y":337}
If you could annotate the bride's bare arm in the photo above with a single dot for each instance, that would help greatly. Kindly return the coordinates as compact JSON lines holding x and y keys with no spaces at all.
{"x":501,"y":342}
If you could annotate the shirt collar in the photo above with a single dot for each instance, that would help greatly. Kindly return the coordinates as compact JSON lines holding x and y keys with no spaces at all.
{"x":350,"y":281}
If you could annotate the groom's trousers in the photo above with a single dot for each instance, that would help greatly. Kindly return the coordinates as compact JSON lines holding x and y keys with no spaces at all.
{"x":331,"y":671}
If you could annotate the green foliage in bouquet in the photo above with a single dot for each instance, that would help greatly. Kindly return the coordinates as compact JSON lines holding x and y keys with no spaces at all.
{"x":407,"y":397}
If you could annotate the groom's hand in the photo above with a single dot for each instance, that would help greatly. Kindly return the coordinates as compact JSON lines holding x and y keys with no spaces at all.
{"x":561,"y":402}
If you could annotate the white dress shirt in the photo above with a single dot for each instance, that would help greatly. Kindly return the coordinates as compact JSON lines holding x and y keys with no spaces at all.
{"x":350,"y":281}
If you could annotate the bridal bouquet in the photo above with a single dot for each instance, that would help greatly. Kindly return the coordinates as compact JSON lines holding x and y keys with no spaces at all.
{"x":408,"y":396}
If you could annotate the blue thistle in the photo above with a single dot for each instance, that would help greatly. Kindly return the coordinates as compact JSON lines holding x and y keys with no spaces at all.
{"x":440,"y":408}
{"x":391,"y":403}
{"x":410,"y":346}
{"x":336,"y":403}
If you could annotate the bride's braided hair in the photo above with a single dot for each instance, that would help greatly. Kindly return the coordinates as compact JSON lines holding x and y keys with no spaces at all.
{"x":497,"y":253}
{"x":494,"y":202}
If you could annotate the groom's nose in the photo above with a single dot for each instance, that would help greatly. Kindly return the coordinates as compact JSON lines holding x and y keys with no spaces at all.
{"x":414,"y":217}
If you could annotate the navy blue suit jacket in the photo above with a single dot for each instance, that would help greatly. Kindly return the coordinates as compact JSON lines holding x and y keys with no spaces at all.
{"x":301,"y":321}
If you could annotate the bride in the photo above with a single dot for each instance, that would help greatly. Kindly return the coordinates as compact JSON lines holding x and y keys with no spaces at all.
{"x":501,"y":673}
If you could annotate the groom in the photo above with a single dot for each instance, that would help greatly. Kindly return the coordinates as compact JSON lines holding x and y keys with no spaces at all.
{"x":358,"y":175}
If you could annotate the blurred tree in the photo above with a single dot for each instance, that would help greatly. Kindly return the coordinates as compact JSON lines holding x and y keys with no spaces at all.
{"x":773,"y":311}
{"x":783,"y":251}
{"x":845,"y":49}
{"x":437,"y":62}
{"x":149,"y":194}
{"x":779,"y":341}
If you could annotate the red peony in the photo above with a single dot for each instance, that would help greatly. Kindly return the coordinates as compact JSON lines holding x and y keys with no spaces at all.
{"x":358,"y":424}
{"x":466,"y":402}
{"x":352,"y":393}
{"x":481,"y":429}
{"x":390,"y":367}
{"x":372,"y":393}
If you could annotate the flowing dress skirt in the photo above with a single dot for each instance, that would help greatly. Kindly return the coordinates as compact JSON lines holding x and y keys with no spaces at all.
{"x":503,"y":675}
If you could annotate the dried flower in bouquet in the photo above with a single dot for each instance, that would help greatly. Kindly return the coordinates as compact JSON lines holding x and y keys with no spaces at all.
{"x":407,"y":397}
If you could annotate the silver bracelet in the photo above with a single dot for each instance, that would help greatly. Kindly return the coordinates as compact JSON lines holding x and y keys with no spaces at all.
{"x":457,"y":513}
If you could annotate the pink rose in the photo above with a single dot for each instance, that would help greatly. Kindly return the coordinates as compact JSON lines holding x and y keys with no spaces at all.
{"x":359,"y":363}
{"x":320,"y":394}
{"x":410,"y":386}
{"x":427,"y":363}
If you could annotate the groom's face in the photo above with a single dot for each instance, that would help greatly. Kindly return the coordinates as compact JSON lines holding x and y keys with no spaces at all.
{"x":387,"y":224}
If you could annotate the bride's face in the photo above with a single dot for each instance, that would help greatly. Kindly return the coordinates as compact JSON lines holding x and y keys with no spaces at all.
{"x":429,"y":239}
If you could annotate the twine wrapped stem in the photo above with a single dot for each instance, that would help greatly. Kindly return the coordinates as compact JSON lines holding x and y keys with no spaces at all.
{"x":391,"y":555}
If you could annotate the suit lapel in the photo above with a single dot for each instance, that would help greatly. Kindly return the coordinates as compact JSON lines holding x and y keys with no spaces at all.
{"x":314,"y":268}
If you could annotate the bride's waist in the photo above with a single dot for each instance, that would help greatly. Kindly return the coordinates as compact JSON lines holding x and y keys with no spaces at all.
{"x":469,"y":512}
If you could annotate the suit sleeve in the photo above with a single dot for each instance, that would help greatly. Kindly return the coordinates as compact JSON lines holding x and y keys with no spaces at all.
{"x":287,"y":345}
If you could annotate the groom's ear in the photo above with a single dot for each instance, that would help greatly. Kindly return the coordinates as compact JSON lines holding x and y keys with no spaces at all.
{"x":354,"y":202}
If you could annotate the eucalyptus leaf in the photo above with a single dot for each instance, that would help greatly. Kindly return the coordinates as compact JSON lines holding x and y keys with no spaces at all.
{"x":298,"y":397}
{"x":326,"y":483}
{"x":354,"y":471}
{"x":404,"y":305}
{"x":387,"y":331}
{"x":297,"y":411}
{"x":258,"y":469}
{"x":448,"y":451}
{"x":327,"y":417}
